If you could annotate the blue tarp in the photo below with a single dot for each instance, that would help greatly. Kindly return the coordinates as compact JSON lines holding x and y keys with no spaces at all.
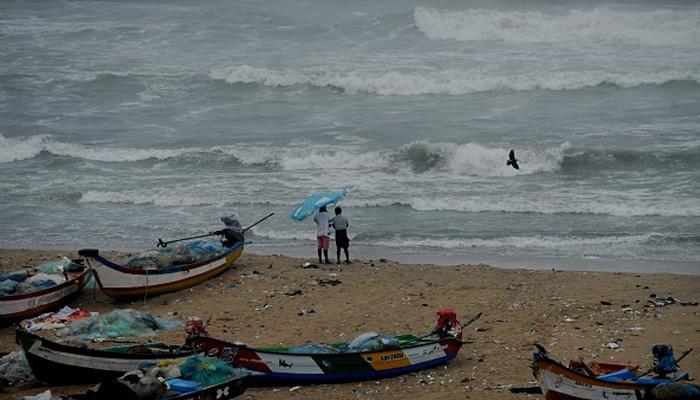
{"x":314,"y":202}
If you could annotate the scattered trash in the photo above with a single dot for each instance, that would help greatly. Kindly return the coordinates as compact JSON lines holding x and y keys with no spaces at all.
{"x":527,"y":390}
{"x":55,"y":320}
{"x":612,"y":345}
{"x":569,"y":319}
{"x":326,"y":282}
{"x":662,"y":302}
{"x":310,"y":265}
{"x":605,"y":303}
{"x":307,"y":311}
{"x":14,"y":369}
{"x":297,"y":292}
{"x":294,"y":388}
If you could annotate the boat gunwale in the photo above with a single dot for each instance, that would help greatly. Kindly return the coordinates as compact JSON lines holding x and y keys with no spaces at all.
{"x":22,"y":335}
{"x":440,"y":341}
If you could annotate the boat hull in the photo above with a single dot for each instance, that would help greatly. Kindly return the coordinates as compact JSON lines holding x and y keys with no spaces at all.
{"x":561,"y":383}
{"x":28,"y":305}
{"x":60,"y":364}
{"x":119,"y":282}
{"x":270,"y":367}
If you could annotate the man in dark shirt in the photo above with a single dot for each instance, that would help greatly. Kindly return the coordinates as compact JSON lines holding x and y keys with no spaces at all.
{"x":340,"y":224}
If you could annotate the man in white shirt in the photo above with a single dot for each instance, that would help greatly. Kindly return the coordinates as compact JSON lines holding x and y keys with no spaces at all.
{"x":323,"y":220}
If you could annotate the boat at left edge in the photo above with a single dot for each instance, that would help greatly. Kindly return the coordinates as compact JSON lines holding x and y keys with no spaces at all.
{"x":30,"y":304}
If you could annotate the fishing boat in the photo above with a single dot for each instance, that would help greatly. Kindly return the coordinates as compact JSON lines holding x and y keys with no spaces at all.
{"x":123,"y":282}
{"x":63,"y":364}
{"x":286,"y":366}
{"x":28,"y":304}
{"x":559,"y":382}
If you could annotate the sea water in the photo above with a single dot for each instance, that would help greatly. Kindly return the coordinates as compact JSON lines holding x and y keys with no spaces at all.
{"x":124,"y":122}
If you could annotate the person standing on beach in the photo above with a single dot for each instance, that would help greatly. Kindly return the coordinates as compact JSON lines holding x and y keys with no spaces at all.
{"x":340,"y":224}
{"x":323,"y":220}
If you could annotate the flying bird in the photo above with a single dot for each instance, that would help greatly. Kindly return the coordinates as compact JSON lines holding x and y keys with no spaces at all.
{"x":511,"y":160}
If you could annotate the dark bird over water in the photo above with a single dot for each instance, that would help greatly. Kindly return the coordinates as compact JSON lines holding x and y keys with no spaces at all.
{"x":511,"y":160}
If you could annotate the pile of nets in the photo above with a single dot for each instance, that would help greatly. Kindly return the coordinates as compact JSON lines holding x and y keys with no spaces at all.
{"x":206,"y":370}
{"x":40,"y":277}
{"x":310,"y":348}
{"x":118,"y":323}
{"x":179,"y":254}
{"x":14,"y":369}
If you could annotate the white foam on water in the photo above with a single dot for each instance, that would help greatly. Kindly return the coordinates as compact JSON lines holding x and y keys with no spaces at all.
{"x":452,"y":81}
{"x":661,"y":27}
{"x":162,"y":198}
{"x":522,"y":242}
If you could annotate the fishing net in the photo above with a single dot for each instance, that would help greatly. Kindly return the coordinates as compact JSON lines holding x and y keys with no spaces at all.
{"x":313,"y":349}
{"x":118,"y":323}
{"x":14,"y":369}
{"x":178,"y":254}
{"x":206,"y":370}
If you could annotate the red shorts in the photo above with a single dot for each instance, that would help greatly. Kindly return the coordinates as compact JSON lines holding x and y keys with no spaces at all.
{"x":323,"y":242}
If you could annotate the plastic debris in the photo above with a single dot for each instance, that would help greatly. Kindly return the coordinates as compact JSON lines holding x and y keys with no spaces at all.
{"x":55,"y":320}
{"x":14,"y":369}
{"x":118,"y":323}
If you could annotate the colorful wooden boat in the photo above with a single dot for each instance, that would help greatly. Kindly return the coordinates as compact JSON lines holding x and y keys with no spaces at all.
{"x":26,"y":305}
{"x":561,"y":383}
{"x":279,"y":366}
{"x":63,"y":364}
{"x":121,"y":282}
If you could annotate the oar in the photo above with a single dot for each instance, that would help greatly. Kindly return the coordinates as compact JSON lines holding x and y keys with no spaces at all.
{"x":259,"y":221}
{"x":161,"y":243}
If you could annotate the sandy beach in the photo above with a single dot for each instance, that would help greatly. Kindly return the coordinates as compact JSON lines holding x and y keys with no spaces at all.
{"x":573,"y":314}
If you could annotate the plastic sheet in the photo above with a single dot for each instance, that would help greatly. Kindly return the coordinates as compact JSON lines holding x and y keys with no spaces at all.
{"x":371,"y":341}
{"x":206,"y":370}
{"x":118,"y":323}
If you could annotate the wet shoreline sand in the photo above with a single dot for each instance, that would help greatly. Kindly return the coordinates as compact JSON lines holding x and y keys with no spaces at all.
{"x":573,"y":314}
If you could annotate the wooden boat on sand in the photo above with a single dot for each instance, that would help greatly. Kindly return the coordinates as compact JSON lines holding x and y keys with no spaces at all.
{"x":63,"y":364}
{"x":559,"y":382}
{"x":25,"y":305}
{"x":287,"y":366}
{"x":122,"y":282}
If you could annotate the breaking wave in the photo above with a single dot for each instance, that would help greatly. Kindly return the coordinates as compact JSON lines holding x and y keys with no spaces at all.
{"x":670,"y":27}
{"x":448,"y":82}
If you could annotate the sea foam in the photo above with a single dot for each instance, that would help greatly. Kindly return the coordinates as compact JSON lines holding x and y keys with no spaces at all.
{"x":670,"y":27}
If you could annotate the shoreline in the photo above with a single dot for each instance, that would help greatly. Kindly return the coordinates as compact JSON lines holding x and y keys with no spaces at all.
{"x":573,"y":314}
{"x":369,"y":253}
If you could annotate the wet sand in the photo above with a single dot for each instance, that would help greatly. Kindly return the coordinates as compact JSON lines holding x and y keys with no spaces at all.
{"x":573,"y":314}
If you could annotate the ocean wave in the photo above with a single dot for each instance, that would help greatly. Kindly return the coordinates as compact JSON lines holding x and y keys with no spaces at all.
{"x":669,"y":27}
{"x":520,"y":242}
{"x":564,"y":205}
{"x":451,"y":81}
{"x":164,"y":198}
